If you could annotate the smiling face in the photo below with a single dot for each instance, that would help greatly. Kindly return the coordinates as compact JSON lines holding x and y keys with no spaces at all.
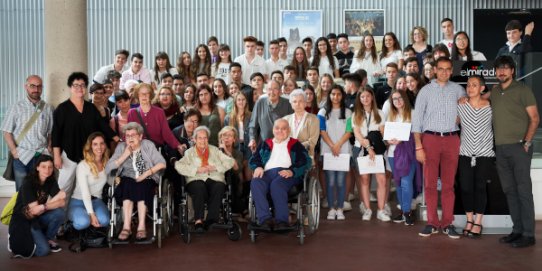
{"x":120,"y":60}
{"x":400,"y":84}
{"x":326,"y":83}
{"x":397,"y":100}
{"x":281,"y":130}
{"x":322,"y":47}
{"x":202,"y":53}
{"x":366,"y":99}
{"x":474,"y":87}
{"x":202,"y":140}
{"x":189,"y":93}
{"x":218,"y":89}
{"x":299,"y":55}
{"x":273,"y":92}
{"x":461,"y":41}
{"x":411,"y":83}
{"x":137,"y":64}
{"x":98,"y":147}
{"x":224,"y":55}
{"x":505,"y":74}
{"x":233,"y":89}
{"x":369,"y":42}
{"x":34,"y":88}
{"x":78,"y":88}
{"x":166,"y":97}
{"x":389,"y":42}
{"x":186,"y":59}
{"x":45,"y":170}
{"x":240,"y":102}
{"x":298,"y":103}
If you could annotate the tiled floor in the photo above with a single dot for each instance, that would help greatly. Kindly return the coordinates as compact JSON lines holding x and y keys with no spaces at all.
{"x":345,"y":245}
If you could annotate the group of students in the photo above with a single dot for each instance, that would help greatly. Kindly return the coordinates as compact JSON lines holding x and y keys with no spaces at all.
{"x":133,"y":110}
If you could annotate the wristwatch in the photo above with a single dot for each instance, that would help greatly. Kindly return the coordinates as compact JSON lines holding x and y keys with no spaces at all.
{"x":527,"y":143}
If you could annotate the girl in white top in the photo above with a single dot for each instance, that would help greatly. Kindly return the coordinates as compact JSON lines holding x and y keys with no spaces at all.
{"x":162,"y":65}
{"x":461,"y":49}
{"x":402,"y":112}
{"x":220,"y":90}
{"x":367,"y":118}
{"x":391,"y":52}
{"x":86,"y":206}
{"x":367,"y":59}
{"x":221,"y":68}
{"x":333,"y":120}
{"x":323,"y":58}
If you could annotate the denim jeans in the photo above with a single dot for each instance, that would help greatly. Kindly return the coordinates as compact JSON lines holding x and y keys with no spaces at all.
{"x":335,"y":179}
{"x":20,"y":170}
{"x":77,"y":213}
{"x":44,"y":228}
{"x":405,"y":190}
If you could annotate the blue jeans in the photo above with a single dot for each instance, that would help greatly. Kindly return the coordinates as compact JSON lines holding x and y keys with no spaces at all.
{"x":278,"y":187}
{"x":44,"y":228}
{"x":20,"y":170}
{"x":335,"y":179}
{"x":405,"y":190}
{"x":77,"y":213}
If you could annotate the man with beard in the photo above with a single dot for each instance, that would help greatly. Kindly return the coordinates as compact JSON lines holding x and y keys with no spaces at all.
{"x":26,"y":136}
{"x":515,"y":119}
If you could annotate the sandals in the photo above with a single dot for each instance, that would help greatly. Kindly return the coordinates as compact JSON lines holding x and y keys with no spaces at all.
{"x":141,"y":235}
{"x":476,"y":234}
{"x":465,"y":231}
{"x":124,"y":235}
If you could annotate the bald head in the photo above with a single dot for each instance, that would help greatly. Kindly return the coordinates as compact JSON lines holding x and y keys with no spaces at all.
{"x":281,"y":130}
{"x":34,"y":88}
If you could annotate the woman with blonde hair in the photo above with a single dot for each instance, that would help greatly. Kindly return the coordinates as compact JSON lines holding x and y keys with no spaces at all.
{"x":239,"y":119}
{"x":86,"y":207}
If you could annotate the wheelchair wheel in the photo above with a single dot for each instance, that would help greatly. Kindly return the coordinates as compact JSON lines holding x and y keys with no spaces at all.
{"x":313,"y":205}
{"x":252,"y":212}
{"x":184,"y":229}
{"x":234,"y":234}
{"x":159,"y":238}
{"x":167,"y":207}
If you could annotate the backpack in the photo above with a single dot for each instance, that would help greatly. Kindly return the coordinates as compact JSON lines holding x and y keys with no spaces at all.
{"x":8,"y":209}
{"x":90,"y":238}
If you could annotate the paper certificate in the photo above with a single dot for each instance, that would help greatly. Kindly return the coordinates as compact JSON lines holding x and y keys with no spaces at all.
{"x":397,"y":130}
{"x":337,"y":163}
{"x":368,"y":166}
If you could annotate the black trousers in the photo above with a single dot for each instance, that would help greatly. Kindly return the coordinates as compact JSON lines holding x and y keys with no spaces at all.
{"x":210,"y":192}
{"x":473,"y":182}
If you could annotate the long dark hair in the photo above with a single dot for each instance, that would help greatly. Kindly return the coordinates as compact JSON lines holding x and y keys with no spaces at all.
{"x":455,"y":51}
{"x":161,"y":55}
{"x":34,"y":177}
{"x":316,"y":54}
{"x":329,"y":106}
{"x":396,"y":45}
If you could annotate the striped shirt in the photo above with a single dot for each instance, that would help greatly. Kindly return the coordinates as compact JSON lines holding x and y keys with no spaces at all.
{"x":476,"y":131}
{"x":36,"y":139}
{"x":436,"y":108}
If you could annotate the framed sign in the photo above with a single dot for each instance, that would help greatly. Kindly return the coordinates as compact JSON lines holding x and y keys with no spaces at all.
{"x":295,"y":25}
{"x":360,"y":22}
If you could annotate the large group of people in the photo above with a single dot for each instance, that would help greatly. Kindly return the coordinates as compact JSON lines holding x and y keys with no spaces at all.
{"x":269,"y":122}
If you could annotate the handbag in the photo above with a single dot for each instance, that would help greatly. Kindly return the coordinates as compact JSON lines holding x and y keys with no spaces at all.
{"x":7,"y":212}
{"x":9,"y":174}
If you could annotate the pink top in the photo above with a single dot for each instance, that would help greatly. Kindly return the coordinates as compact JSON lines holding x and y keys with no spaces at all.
{"x":156,"y":124}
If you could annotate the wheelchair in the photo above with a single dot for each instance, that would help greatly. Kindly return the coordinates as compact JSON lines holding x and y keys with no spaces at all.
{"x":160,"y":213}
{"x":306,"y":201}
{"x":186,"y":227}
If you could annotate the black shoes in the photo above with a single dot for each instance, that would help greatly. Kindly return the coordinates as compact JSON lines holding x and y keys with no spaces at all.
{"x":510,"y":238}
{"x":409,"y":218}
{"x":475,"y":235}
{"x":283,"y":227}
{"x":267,"y":225}
{"x":199,"y":227}
{"x":524,"y":241}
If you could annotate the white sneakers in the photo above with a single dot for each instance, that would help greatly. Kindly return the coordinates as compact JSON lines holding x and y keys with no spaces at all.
{"x":365,"y":212}
{"x":347,"y":206}
{"x":387,"y":209}
{"x":333,"y":214}
{"x":382,"y":216}
{"x":340,"y":215}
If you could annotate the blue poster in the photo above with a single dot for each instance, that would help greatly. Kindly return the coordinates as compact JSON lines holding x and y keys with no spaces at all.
{"x":295,"y":25}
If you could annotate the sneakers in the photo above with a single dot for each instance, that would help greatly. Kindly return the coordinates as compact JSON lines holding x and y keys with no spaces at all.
{"x":323,"y":203}
{"x":382,"y":216}
{"x":409,"y":218}
{"x":340,"y":215}
{"x":450,"y":231}
{"x":54,"y":247}
{"x":351,"y":197}
{"x":373,"y":198}
{"x":427,"y":231}
{"x":331,"y":214}
{"x":347,"y":206}
{"x":399,"y":218}
{"x":387,"y":209}
{"x":365,"y":212}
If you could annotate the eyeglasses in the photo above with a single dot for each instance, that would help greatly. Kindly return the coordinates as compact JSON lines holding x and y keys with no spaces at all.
{"x":32,"y":86}
{"x":131,"y":136}
{"x":78,"y":86}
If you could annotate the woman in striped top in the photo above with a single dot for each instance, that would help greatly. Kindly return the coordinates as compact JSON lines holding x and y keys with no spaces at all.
{"x":476,"y":155}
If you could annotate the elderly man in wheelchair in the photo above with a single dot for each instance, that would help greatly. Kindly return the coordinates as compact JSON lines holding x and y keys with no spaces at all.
{"x":279,"y":163}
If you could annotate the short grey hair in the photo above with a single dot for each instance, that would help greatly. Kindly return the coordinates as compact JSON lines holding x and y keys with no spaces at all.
{"x":298,"y":92}
{"x":201,"y":128}
{"x":132,"y":126}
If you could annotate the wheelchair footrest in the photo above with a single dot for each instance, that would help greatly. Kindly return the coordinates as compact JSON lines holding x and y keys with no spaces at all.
{"x":147,"y":241}
{"x":120,"y":242}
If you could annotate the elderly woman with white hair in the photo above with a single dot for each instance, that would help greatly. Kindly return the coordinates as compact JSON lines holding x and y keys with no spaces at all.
{"x":139,"y":164}
{"x":204,"y":166}
{"x":304,"y":126}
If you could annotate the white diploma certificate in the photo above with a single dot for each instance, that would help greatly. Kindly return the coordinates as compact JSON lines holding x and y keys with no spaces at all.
{"x":397,"y":130}
{"x":337,"y":163}
{"x":368,"y":166}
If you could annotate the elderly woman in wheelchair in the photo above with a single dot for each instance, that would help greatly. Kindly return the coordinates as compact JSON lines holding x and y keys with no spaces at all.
{"x":204,"y":167}
{"x":279,"y":163}
{"x":139,"y":166}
